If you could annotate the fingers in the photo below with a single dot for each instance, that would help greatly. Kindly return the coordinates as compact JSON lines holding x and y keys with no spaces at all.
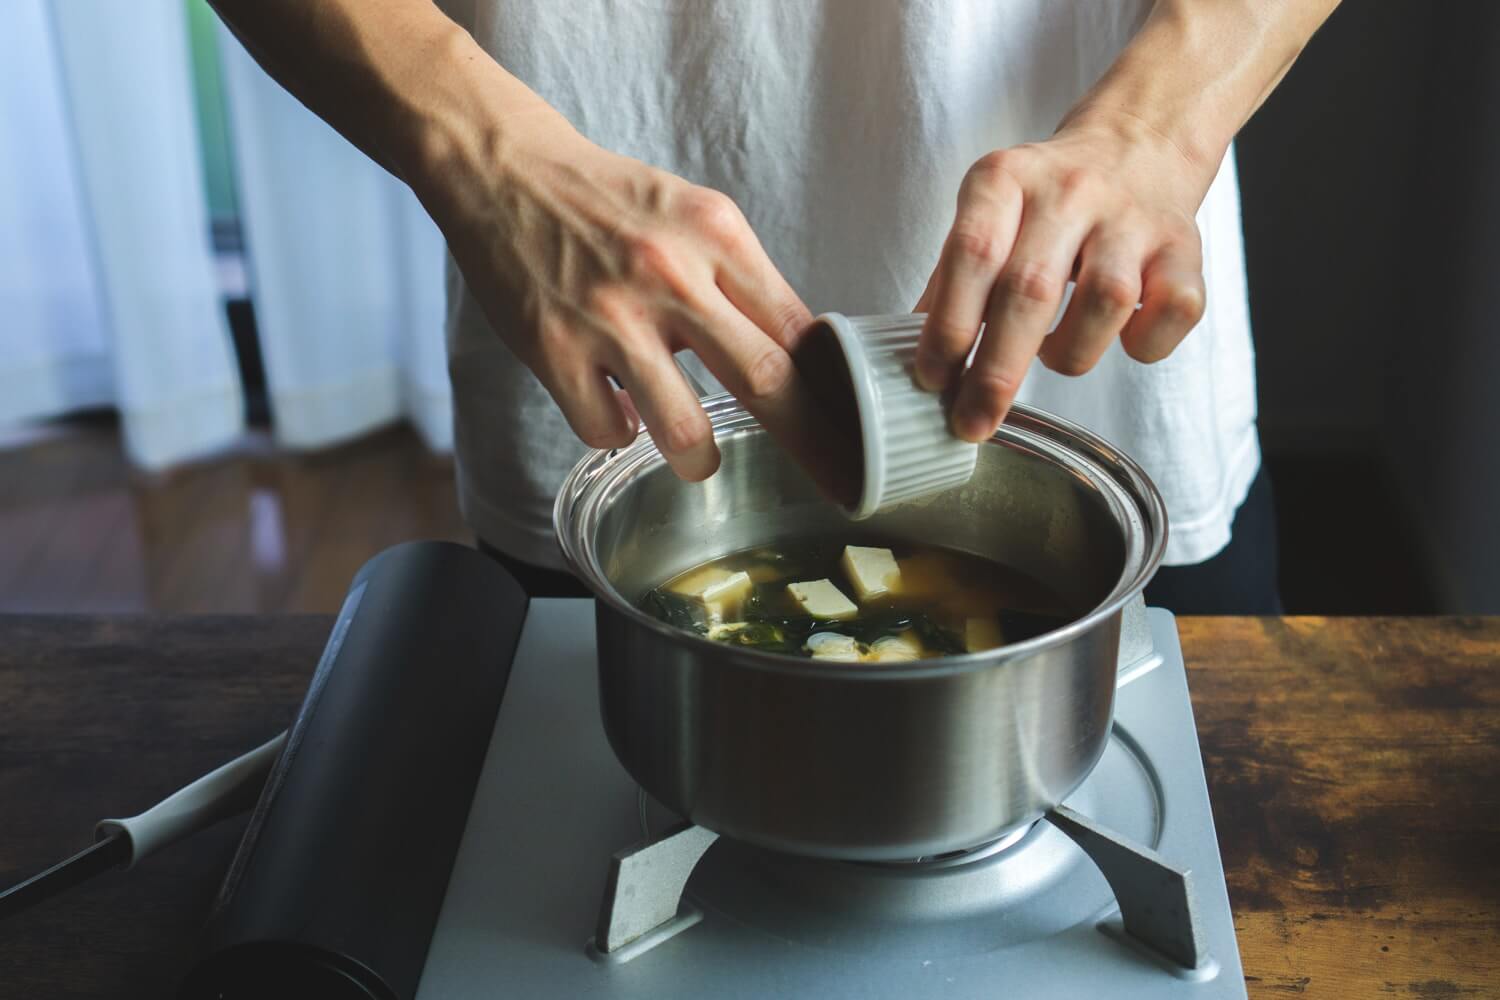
{"x":754,"y":368}
{"x":636,"y":354}
{"x":705,"y":283}
{"x":1108,"y":288}
{"x":673,"y":416}
{"x":753,"y":284}
{"x":576,"y":374}
{"x":746,"y":330}
{"x":763,"y":376}
{"x":1172,"y":303}
{"x":598,"y":413}
{"x":1021,"y":308}
{"x":594,"y":410}
{"x":977,"y":248}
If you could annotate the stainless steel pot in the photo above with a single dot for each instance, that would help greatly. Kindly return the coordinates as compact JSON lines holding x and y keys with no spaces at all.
{"x":862,"y":761}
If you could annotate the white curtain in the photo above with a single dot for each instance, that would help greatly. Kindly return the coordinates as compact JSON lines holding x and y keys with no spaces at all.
{"x":345,"y":270}
{"x":107,"y":289}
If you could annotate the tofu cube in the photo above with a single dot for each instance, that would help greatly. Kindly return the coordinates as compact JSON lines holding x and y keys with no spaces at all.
{"x":981,"y":634}
{"x":821,"y":599}
{"x":872,"y":571}
{"x":717,"y":589}
{"x":833,"y":646}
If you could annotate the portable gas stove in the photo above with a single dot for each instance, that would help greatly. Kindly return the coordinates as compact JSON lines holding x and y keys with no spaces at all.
{"x":556,"y":824}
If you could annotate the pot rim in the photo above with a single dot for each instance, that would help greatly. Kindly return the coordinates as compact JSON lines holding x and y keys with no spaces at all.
{"x":601,"y":473}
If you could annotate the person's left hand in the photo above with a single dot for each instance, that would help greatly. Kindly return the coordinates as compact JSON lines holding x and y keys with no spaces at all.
{"x":1111,"y":204}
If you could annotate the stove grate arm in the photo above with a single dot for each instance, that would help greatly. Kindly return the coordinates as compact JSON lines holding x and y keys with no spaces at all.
{"x":1156,"y":900}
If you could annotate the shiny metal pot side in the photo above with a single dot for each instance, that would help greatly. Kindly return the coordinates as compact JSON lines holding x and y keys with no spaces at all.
{"x":862,"y":761}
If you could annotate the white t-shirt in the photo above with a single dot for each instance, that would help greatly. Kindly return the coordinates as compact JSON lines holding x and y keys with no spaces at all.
{"x":842,"y":128}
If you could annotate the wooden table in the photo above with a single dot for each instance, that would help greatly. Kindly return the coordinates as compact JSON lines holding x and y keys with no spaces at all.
{"x":1354,"y":766}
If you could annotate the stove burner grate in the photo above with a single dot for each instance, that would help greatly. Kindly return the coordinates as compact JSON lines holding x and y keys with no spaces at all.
{"x":644,"y":905}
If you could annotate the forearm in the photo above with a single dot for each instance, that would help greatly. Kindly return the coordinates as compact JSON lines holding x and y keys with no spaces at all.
{"x":397,"y":78}
{"x":1198,"y":69}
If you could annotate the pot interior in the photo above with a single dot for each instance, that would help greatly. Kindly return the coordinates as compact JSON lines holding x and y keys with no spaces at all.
{"x":1032,"y":504}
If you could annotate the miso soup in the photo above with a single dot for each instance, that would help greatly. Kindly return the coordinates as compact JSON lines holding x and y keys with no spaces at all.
{"x":868,"y":602}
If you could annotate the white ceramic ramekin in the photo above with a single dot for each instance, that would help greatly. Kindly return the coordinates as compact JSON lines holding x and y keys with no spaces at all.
{"x":908,"y":449}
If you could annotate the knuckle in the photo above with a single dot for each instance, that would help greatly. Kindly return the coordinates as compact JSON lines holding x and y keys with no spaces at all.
{"x":650,"y":259}
{"x":715,"y":214}
{"x":946,"y":339}
{"x":992,"y":391}
{"x":1183,"y":304}
{"x":1111,"y":292}
{"x":988,"y":168}
{"x":605,"y":304}
{"x":1077,"y":184}
{"x":1069,"y":361}
{"x":684,"y":433}
{"x":994,"y":171}
{"x":977,"y":245}
{"x":767,"y":376}
{"x":1031,"y":282}
{"x":788,"y":320}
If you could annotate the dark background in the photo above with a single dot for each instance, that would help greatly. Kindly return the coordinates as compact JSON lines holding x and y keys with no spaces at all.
{"x":1372,"y":230}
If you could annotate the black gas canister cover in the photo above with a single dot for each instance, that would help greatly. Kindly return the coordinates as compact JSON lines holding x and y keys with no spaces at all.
{"x":338,"y":881}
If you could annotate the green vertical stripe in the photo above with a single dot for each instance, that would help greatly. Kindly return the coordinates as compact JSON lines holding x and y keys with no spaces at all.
{"x":208,"y":94}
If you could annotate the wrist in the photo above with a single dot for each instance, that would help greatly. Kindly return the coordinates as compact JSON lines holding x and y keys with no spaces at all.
{"x":1137,"y":140}
{"x":1187,"y":81}
{"x":469,"y":126}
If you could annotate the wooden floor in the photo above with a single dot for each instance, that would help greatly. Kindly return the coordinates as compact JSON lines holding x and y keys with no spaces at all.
{"x":256,"y":530}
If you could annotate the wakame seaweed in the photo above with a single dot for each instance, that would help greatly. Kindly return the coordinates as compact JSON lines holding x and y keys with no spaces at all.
{"x":937,"y":638}
{"x":675,"y":610}
{"x":763,"y":636}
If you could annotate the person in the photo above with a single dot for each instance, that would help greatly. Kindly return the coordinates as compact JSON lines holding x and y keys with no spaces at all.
{"x":621,"y":182}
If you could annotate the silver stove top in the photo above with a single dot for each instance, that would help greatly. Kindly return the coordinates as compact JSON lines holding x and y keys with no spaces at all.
{"x":1036,"y":919}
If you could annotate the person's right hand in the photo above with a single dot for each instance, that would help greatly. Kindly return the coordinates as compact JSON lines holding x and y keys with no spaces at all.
{"x":591,"y":264}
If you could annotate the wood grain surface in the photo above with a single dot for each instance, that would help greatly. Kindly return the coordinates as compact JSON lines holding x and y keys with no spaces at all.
{"x":104,"y":716}
{"x":1354,"y":766}
{"x":1354,"y":769}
